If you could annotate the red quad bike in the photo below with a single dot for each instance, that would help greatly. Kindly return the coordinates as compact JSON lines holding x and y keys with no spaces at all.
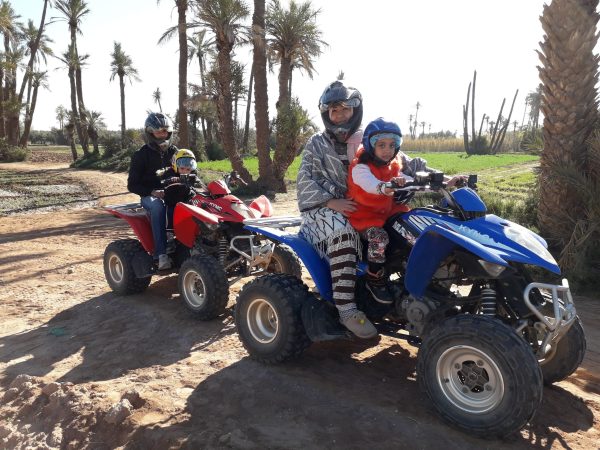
{"x":210,"y":249}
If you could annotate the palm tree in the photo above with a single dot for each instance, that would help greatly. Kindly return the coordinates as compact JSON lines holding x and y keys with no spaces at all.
{"x":39,"y":42}
{"x":200,"y":46}
{"x":122,"y":66}
{"x":61,"y":116}
{"x":38,"y":79}
{"x":534,"y":101}
{"x":95,"y":122}
{"x":9,"y":114}
{"x":32,"y":39}
{"x":156,"y":97}
{"x":223,"y":18}
{"x":261,"y":98}
{"x":68,"y":59}
{"x":74,"y":11}
{"x":183,"y":129}
{"x":569,"y":103}
{"x":293,"y":41}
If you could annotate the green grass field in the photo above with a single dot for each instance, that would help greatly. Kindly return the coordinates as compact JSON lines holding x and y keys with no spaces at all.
{"x":450,"y":163}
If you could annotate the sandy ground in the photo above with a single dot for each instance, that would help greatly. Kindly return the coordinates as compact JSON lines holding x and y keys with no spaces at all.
{"x":81,"y":367}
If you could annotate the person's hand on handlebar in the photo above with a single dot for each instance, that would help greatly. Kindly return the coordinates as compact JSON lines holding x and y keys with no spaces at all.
{"x":457,"y":181}
{"x":396,"y":182}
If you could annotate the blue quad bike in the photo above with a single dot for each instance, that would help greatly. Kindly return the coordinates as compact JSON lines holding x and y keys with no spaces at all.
{"x":485,"y":350}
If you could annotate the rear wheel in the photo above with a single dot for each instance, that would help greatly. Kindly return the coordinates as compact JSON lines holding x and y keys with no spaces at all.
{"x":118,"y":267}
{"x":268,"y":318}
{"x":479,"y":375}
{"x":203,"y":286}
{"x":284,"y":260}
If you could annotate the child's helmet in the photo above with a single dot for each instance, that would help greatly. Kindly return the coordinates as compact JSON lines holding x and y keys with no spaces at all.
{"x":334,"y":93}
{"x":377,"y":129}
{"x":154,"y":123}
{"x":184,"y":158}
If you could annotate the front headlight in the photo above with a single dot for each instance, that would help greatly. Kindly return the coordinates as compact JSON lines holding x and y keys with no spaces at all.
{"x":492,"y":269}
{"x":523,"y":237}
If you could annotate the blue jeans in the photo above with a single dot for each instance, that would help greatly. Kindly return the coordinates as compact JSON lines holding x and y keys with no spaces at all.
{"x":158,"y":221}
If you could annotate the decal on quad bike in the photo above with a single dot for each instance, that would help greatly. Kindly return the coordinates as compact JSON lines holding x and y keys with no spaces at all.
{"x":423,"y":222}
{"x":404,"y":233}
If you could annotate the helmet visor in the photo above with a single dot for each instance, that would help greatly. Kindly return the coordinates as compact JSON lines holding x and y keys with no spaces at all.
{"x":353,"y":102}
{"x":187,"y":163}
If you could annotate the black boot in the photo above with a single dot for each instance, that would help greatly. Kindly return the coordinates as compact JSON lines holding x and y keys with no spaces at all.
{"x":377,"y":286}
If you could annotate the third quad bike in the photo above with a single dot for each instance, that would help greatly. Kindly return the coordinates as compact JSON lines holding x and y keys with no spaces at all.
{"x":485,"y":349}
{"x":209,"y":246}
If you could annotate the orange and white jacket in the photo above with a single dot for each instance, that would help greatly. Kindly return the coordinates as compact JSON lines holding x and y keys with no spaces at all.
{"x":373,"y":207}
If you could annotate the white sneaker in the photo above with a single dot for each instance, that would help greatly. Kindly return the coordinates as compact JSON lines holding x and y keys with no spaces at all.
{"x":164,"y":262}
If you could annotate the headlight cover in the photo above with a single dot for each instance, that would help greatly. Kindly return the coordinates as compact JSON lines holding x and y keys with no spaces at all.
{"x":523,"y":237}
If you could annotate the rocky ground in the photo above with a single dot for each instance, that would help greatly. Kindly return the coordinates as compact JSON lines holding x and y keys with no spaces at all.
{"x":81,"y":367}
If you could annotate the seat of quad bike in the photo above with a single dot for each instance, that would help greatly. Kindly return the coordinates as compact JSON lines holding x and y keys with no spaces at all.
{"x":132,"y":210}
{"x":318,"y":267}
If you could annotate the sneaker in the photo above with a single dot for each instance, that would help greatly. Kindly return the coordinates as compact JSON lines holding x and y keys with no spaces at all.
{"x":380,"y":292}
{"x":360,"y":325}
{"x":164,"y":262}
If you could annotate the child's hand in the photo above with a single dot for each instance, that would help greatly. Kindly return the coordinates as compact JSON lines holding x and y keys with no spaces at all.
{"x":399,"y":181}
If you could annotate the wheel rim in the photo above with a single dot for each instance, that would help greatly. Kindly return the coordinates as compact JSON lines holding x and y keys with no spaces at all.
{"x":470,"y":379}
{"x":194,"y":290}
{"x":115,"y":268}
{"x":262,"y":320}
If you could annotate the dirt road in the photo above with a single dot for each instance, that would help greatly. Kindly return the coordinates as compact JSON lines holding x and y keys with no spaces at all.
{"x":81,"y":367}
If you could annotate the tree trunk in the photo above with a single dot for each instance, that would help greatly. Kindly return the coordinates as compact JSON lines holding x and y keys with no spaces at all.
{"x":82,"y":114}
{"x":569,"y":103}
{"x":29,"y":71}
{"x":224,"y":107}
{"x":2,"y":127}
{"x":248,"y":106}
{"x":261,"y":97}
{"x":284,"y":79}
{"x":28,"y":118}
{"x":123,"y":127}
{"x":74,"y":113}
{"x":184,"y":139}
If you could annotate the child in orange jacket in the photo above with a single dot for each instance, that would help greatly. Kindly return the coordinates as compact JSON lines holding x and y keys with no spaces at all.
{"x":376,"y":163}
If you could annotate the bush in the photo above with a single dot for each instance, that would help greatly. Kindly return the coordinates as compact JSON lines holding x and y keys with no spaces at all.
{"x":9,"y":153}
{"x":215,"y":152}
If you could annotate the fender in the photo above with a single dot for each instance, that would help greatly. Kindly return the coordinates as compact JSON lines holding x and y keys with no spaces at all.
{"x":432,"y":247}
{"x":184,"y":222}
{"x":316,"y":266}
{"x":263,"y":205}
{"x":139,"y":221}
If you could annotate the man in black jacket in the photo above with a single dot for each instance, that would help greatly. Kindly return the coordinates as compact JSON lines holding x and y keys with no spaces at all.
{"x":156,"y":154}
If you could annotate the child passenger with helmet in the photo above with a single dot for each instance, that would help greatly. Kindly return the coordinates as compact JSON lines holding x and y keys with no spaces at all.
{"x":143,"y":180}
{"x":322,"y":186}
{"x":376,"y":163}
{"x":176,"y":190}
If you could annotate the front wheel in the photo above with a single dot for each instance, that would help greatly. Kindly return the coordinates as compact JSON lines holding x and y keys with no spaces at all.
{"x":565,"y":357}
{"x":480,"y":376}
{"x":203,"y":286}
{"x":268,"y":318}
{"x":118,"y":267}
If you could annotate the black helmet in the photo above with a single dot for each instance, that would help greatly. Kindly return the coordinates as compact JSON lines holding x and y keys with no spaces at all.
{"x":156,"y":122}
{"x":336,"y":93}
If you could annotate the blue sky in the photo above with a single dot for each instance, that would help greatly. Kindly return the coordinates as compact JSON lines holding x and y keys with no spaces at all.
{"x":397,"y":53}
